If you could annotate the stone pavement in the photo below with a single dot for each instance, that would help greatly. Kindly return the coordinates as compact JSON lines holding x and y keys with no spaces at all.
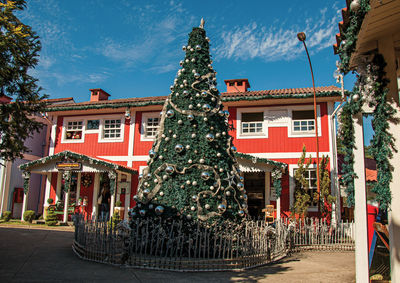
{"x":34,"y":255}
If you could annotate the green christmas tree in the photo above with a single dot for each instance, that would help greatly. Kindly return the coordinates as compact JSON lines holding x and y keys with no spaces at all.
{"x":192,"y":172}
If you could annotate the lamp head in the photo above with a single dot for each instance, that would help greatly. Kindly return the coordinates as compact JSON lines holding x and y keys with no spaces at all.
{"x":301,"y":36}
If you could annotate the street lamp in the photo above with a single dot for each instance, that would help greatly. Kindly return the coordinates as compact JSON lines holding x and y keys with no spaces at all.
{"x":302,"y":37}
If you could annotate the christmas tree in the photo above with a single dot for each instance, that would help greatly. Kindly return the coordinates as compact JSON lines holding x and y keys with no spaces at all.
{"x":192,"y":172}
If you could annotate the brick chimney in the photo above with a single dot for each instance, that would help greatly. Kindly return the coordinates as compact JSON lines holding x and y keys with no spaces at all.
{"x":97,"y":94}
{"x":237,"y":85}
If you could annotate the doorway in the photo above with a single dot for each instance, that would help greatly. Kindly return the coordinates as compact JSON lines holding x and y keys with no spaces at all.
{"x":254,"y":183}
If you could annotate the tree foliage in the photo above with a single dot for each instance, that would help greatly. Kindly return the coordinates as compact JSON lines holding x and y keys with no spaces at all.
{"x":19,"y":52}
{"x":301,"y":196}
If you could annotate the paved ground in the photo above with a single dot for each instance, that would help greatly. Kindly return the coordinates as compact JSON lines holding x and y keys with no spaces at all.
{"x":34,"y":255}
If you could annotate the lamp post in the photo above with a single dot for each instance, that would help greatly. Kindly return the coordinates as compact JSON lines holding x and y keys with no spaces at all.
{"x":302,"y":37}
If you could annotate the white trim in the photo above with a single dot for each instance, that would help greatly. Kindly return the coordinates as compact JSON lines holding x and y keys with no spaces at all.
{"x":95,"y":194}
{"x":53,"y":138}
{"x":145,"y":116}
{"x":268,"y":155}
{"x":239,"y":134}
{"x":291,"y":133}
{"x":292,"y":185}
{"x":101,"y":128}
{"x":131,"y":142}
{"x":58,"y":187}
{"x":48,"y":188}
{"x":78,"y":188}
{"x":73,"y":119}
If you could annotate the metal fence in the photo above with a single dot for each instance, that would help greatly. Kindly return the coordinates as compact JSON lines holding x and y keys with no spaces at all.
{"x":163,"y":245}
{"x":317,"y":234}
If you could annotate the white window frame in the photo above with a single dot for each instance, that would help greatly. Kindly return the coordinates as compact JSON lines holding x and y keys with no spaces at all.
{"x":145,"y":117}
{"x":64,"y":130}
{"x":296,"y":134}
{"x":292,"y":185}
{"x":99,"y":131}
{"x":101,"y":139}
{"x":262,"y":135}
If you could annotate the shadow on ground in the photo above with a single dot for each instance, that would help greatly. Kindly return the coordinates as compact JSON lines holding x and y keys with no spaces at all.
{"x":32,"y":255}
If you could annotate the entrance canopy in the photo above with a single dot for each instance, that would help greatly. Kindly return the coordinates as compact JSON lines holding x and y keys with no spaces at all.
{"x":74,"y":162}
{"x":251,"y":163}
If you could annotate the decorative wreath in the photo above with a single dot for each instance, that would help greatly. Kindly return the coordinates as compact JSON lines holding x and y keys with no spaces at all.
{"x":86,"y":180}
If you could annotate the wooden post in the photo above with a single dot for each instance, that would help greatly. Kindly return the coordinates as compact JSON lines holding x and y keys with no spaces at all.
{"x":360,"y":209}
{"x":66,"y":202}
{"x":24,"y":205}
{"x":386,"y":48}
{"x":95,"y":194}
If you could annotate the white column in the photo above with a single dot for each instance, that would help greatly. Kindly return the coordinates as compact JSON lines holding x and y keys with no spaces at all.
{"x":131,"y":141}
{"x":112,"y":204}
{"x":360,"y":208}
{"x":386,"y":48}
{"x":95,"y":194}
{"x":47,"y":191}
{"x":278,"y":208}
{"x":24,"y":205}
{"x":6,"y":174}
{"x":66,"y":202}
{"x":58,"y":188}
{"x":128,"y":196}
{"x":78,"y":188}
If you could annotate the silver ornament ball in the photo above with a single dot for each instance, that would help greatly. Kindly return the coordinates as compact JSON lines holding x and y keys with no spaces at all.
{"x":179,"y":148}
{"x":159,"y":210}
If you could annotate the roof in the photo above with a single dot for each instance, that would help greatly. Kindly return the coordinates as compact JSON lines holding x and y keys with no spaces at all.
{"x":327,"y":91}
{"x":256,"y":159}
{"x":371,"y":175}
{"x":61,"y":155}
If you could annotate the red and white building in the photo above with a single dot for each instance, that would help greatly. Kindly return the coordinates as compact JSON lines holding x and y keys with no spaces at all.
{"x":105,"y":135}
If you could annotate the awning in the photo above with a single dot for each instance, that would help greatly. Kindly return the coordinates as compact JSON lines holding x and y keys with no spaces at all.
{"x":251,"y":163}
{"x":74,"y":162}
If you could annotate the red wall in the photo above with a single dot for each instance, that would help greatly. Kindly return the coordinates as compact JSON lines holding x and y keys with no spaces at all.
{"x":91,"y":146}
{"x":278,"y":140}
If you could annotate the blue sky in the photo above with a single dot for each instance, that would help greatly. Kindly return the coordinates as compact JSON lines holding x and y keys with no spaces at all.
{"x":133,"y":48}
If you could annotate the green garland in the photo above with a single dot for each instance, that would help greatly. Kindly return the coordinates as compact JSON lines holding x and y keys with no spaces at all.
{"x":346,"y":134}
{"x":114,"y":105}
{"x":371,"y":87}
{"x":26,"y":176}
{"x":382,"y":144}
{"x":350,"y":34}
{"x":69,"y":154}
{"x":256,"y":159}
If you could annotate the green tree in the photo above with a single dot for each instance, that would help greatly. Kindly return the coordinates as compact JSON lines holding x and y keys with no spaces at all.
{"x":302,"y":197}
{"x":19,"y":52}
{"x":192,"y":172}
{"x":325,"y":198}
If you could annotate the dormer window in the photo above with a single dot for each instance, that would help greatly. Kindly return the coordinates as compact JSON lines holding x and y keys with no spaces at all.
{"x":240,"y":83}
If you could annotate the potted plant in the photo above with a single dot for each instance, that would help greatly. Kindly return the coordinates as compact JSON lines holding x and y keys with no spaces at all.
{"x":119,"y":209}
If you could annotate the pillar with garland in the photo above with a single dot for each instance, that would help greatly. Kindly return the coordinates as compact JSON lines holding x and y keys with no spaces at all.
{"x":192,"y":171}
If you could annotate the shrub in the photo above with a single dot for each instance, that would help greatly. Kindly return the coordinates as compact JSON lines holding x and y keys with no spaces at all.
{"x":51,"y":218}
{"x":6,"y":216}
{"x":29,"y":216}
{"x":118,"y":203}
{"x":115,"y":219}
{"x":50,"y":201}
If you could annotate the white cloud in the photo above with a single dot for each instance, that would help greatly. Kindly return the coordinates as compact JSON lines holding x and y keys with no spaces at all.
{"x":276,"y":43}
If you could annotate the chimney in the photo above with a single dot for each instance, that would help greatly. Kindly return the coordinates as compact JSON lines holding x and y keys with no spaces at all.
{"x":97,"y":94}
{"x":237,"y":85}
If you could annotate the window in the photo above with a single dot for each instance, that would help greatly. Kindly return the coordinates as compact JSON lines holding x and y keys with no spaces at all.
{"x":73,"y":130}
{"x":240,"y":83}
{"x":311,"y":177}
{"x":252,"y":123}
{"x":303,"y":121}
{"x":93,"y":125}
{"x":151,"y":127}
{"x":112,"y":129}
{"x":231,"y":83}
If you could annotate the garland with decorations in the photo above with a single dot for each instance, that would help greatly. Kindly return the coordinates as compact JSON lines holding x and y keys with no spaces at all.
{"x":358,"y":10}
{"x":113,"y":105}
{"x":370,"y":88}
{"x":86,"y":180}
{"x":382,"y":144}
